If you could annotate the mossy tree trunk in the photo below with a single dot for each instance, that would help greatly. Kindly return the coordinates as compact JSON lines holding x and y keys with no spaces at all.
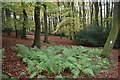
{"x":37,"y":26}
{"x":113,"y":33}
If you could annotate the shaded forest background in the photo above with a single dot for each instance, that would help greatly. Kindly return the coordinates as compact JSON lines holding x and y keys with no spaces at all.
{"x":86,"y":23}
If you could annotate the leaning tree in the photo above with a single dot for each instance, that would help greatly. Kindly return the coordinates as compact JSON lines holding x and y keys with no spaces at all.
{"x":114,"y":31}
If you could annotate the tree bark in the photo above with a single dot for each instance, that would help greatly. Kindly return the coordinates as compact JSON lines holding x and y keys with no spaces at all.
{"x":84,"y":15}
{"x":104,"y":14}
{"x":59,"y":17}
{"x":113,"y":33}
{"x":73,"y":16}
{"x":49,"y":26}
{"x":91,"y":13}
{"x":23,"y":36}
{"x":107,"y":15}
{"x":37,"y":26}
{"x":96,"y":13}
{"x":45,"y":24}
{"x":101,"y":18}
{"x":111,"y":13}
{"x":80,"y":14}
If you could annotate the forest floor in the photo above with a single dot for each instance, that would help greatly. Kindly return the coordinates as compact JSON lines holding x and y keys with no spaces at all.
{"x":14,"y":66}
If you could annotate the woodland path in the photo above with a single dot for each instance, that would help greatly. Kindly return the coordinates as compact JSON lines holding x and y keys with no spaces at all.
{"x":13,"y":66}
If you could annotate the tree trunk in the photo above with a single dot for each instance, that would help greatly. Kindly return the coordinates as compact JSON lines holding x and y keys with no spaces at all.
{"x":111,"y":13}
{"x":45,"y":24}
{"x":15,"y":25}
{"x":49,"y":26}
{"x":59,"y":17}
{"x":91,"y":13}
{"x":73,"y":23}
{"x":80,"y":14}
{"x":107,"y":15}
{"x":113,"y":33}
{"x":37,"y":26}
{"x":104,"y":14}
{"x":84,"y":15}
{"x":23,"y":36}
{"x":101,"y":19}
{"x":88,"y":14}
{"x":96,"y":13}
{"x":70,"y":34}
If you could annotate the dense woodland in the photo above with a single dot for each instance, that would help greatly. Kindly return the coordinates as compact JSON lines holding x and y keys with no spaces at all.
{"x":91,"y":24}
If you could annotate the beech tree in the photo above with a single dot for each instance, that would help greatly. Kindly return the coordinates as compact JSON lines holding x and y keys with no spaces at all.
{"x":37,"y":25}
{"x":25,"y":16}
{"x":114,"y":31}
{"x":23,"y":36}
{"x":45,"y":24}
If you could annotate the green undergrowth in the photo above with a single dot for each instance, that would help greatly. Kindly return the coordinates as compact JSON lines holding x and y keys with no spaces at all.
{"x":80,"y":61}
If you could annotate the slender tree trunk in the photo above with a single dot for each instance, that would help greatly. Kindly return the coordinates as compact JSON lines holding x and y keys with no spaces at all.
{"x":113,"y":33}
{"x":69,"y":6}
{"x":53,"y":21}
{"x":101,"y":18}
{"x":70,"y":33}
{"x":84,"y":15}
{"x":88,"y":14}
{"x":23,"y":36}
{"x":15,"y":25}
{"x":73,"y":23}
{"x":91,"y":12}
{"x":37,"y":26}
{"x":104,"y":15}
{"x":108,"y":27}
{"x":42,"y":27}
{"x":80,"y":14}
{"x":58,"y":3}
{"x":107,"y":15}
{"x":45,"y":23}
{"x":59,"y":17}
{"x":96,"y":13}
{"x":111,"y":13}
{"x":49,"y":26}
